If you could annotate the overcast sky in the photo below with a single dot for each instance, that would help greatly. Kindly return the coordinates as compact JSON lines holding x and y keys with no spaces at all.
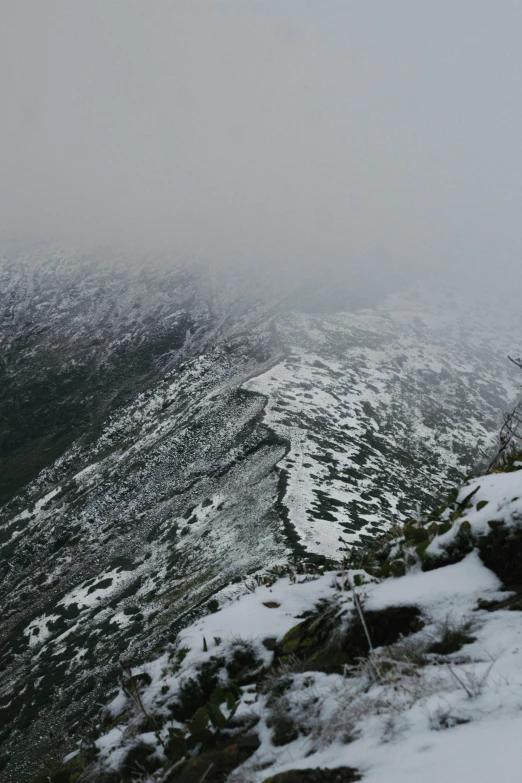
{"x":292,"y":132}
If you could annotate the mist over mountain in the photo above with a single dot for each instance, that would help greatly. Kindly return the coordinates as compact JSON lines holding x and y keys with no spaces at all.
{"x":260,"y":133}
{"x":259,"y":282}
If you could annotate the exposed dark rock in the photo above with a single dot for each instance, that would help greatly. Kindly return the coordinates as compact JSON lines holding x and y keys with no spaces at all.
{"x":338,"y":775}
{"x":501,"y":551}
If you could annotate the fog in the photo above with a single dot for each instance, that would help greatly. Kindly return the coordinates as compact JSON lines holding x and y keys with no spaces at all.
{"x":295,"y":134}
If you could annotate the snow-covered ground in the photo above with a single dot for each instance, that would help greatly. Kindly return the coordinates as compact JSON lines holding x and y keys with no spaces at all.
{"x":385,"y":407}
{"x":404,"y":712}
{"x":185,"y":478}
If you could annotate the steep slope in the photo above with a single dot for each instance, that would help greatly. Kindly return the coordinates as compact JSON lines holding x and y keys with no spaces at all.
{"x":129,"y":531}
{"x":384,"y":407}
{"x":226,"y":434}
{"x":312,"y":677}
{"x":82,"y":334}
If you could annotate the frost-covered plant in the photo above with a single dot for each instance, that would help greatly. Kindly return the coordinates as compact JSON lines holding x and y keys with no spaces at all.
{"x":471,"y":680}
{"x":450,"y":636}
{"x":444,"y":717}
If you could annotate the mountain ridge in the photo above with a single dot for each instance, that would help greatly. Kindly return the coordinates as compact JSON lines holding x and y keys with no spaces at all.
{"x":187,"y":486}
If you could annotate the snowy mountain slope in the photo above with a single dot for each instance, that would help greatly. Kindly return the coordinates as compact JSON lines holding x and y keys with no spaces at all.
{"x":437,"y":696}
{"x":174,"y":499}
{"x":78,"y":325}
{"x":82,"y":334}
{"x":384,"y":407}
{"x":178,"y":477}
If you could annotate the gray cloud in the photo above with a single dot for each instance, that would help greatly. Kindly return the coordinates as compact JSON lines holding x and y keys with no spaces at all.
{"x":293,"y":133}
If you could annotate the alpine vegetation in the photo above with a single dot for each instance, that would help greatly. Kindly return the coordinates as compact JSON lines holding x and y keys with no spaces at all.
{"x":404,"y":660}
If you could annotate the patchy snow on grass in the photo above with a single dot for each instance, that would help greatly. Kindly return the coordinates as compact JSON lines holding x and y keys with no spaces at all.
{"x":457,"y":718}
{"x":90,"y":594}
{"x":357,"y":389}
{"x":38,"y":630}
{"x":267,"y":612}
{"x":404,"y":713}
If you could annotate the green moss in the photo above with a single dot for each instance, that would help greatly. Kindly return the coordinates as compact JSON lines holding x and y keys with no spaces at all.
{"x":416,"y":535}
{"x":294,"y":638}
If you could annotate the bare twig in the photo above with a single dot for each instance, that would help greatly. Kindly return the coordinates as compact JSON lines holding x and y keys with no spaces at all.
{"x":202,"y":778}
{"x":464,"y":503}
{"x":460,"y":681}
{"x":510,"y":433}
{"x":516,"y":362}
{"x":132,"y":689}
{"x":357,"y":603}
{"x":473,"y":684}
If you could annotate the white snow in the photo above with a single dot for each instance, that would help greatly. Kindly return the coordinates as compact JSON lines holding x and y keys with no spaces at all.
{"x":475,"y":753}
{"x":453,"y":589}
{"x":412,"y":360}
{"x":109,"y":747}
{"x":248,"y":618}
{"x":90,"y":594}
{"x":456,"y":719}
{"x":43,"y":501}
{"x":502,"y":493}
